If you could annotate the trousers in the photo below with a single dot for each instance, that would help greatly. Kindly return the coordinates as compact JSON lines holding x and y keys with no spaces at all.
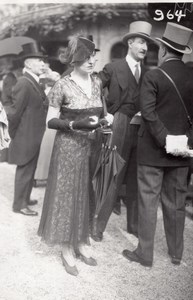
{"x":168,"y":185}
{"x":24,"y":178}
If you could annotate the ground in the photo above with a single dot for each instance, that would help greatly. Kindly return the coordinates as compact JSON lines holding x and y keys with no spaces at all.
{"x":30,"y":270}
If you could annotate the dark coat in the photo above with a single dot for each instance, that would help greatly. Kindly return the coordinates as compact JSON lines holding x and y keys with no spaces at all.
{"x":122,"y":87}
{"x":27,"y":119}
{"x":163,"y":113}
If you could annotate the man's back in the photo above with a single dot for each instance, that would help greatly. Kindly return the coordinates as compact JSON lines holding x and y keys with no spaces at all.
{"x":163,"y":112}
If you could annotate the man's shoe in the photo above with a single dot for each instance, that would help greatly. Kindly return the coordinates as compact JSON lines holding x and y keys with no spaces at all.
{"x":132,"y":256}
{"x":97,"y":237}
{"x":32,"y":202}
{"x":26,"y":211}
{"x":174,"y":260}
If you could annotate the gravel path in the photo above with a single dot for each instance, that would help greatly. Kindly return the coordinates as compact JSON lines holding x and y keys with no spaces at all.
{"x":30,"y":270}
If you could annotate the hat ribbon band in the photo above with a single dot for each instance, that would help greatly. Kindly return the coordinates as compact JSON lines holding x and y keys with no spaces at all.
{"x":175,"y":45}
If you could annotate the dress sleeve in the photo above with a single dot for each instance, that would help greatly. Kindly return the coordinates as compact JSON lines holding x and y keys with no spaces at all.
{"x":56,"y":94}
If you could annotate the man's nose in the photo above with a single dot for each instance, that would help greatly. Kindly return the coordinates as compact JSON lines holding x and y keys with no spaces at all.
{"x":145,"y":47}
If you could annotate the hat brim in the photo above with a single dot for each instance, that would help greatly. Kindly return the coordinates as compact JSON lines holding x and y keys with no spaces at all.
{"x":188,"y":50}
{"x":34,"y":56}
{"x":144,"y":36}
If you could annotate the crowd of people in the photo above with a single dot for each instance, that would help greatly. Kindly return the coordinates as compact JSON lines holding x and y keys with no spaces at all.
{"x":142,"y":109}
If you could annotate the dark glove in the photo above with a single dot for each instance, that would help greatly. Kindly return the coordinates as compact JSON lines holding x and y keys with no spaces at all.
{"x":85,"y":123}
{"x":58,"y":124}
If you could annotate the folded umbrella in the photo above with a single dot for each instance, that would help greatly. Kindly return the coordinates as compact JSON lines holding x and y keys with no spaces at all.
{"x":109,"y":165}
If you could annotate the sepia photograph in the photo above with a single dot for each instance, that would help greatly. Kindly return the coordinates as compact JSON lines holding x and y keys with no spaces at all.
{"x":96,"y":150}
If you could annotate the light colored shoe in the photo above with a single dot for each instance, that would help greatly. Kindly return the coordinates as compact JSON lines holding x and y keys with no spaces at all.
{"x":72,"y":270}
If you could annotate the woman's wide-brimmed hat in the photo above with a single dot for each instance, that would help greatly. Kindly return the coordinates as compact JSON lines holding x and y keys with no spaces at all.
{"x":84,"y":49}
{"x":177,"y":37}
{"x":139,"y":29}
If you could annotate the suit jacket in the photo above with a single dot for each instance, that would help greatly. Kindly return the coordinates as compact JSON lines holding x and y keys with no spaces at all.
{"x":122,"y":87}
{"x":163,"y":113}
{"x":27,"y":119}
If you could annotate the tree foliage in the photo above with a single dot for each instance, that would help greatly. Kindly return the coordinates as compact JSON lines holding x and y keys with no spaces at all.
{"x":57,"y":17}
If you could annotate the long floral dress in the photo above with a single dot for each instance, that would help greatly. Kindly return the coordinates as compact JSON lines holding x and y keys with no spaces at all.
{"x":65,"y":213}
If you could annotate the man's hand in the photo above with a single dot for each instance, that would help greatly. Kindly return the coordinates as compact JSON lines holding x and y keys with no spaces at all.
{"x":177,"y":152}
{"x":107,"y":120}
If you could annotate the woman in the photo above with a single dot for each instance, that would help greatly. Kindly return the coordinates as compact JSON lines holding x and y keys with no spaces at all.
{"x":65,"y":215}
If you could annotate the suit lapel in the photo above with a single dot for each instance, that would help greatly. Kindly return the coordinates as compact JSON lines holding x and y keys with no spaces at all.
{"x":35,"y":85}
{"x":124,"y":75}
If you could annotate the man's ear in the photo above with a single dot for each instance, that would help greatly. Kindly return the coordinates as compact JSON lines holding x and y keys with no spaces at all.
{"x":164,"y":51}
{"x":129,"y":42}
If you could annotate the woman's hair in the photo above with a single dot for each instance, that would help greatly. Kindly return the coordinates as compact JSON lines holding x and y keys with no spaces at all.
{"x":78,"y":50}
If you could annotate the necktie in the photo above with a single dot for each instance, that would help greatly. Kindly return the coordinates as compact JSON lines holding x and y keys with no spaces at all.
{"x":136,"y":73}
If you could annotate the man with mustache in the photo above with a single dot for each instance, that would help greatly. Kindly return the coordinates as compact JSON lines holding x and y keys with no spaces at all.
{"x":167,"y":114}
{"x":122,"y":78}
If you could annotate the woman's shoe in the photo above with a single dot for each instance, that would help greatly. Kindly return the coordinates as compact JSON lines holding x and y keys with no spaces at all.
{"x":87,"y":260}
{"x":69,"y":269}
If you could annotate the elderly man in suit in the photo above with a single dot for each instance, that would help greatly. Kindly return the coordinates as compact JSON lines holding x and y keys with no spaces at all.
{"x":122,"y":78}
{"x":162,"y":171}
{"x":27,"y":119}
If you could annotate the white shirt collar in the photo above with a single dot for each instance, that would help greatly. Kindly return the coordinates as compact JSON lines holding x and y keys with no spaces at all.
{"x":33,"y":75}
{"x":132,"y":64}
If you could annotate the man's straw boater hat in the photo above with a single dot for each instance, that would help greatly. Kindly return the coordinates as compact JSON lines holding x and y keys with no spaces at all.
{"x":139,"y":29}
{"x":177,"y":37}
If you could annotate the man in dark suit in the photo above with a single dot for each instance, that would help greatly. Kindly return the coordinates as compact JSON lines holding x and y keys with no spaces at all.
{"x":162,"y":173}
{"x":123,"y":79}
{"x":27,"y":119}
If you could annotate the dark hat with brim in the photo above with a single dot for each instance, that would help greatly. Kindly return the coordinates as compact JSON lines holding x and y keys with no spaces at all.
{"x":34,"y":55}
{"x":139,"y":29}
{"x":84,"y":49}
{"x":177,"y":37}
{"x":30,"y":50}
{"x":90,"y":37}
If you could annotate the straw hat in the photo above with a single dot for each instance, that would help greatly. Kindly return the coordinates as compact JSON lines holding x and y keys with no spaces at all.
{"x":177,"y":37}
{"x":139,"y":29}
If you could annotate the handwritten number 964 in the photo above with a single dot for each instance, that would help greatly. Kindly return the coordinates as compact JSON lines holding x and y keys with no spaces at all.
{"x":160,"y":15}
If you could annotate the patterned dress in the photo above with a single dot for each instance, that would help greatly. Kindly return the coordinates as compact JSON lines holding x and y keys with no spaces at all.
{"x":65,"y":213}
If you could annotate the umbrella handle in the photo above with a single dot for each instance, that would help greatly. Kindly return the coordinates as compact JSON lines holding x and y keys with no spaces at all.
{"x":109,"y":140}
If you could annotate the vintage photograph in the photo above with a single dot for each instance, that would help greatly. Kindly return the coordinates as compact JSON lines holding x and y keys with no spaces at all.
{"x":96,"y":150}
